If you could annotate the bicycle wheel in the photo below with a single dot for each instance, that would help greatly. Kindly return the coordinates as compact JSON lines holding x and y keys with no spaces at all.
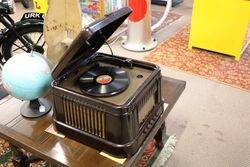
{"x":32,"y":34}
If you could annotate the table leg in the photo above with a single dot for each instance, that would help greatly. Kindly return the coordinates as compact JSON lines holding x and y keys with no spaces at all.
{"x":18,"y":158}
{"x":160,"y":136}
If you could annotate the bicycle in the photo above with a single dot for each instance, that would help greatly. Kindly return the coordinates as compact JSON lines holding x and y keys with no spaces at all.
{"x":24,"y":35}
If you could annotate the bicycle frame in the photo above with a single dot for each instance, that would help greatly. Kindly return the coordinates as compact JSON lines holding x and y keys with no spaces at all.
{"x":9,"y":23}
{"x":12,"y":27}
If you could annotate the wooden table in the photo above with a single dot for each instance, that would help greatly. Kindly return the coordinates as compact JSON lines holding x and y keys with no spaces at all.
{"x":31,"y":136}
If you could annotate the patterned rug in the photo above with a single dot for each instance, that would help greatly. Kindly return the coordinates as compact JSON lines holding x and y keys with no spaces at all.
{"x":174,"y":53}
{"x":5,"y":156}
{"x":162,"y":156}
{"x":155,"y":157}
{"x":156,"y":16}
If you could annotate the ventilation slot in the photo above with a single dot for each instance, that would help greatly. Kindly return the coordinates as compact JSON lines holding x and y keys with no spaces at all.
{"x":83,"y":117}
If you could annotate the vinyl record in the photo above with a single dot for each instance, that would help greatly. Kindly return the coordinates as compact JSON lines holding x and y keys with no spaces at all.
{"x":104,"y":81}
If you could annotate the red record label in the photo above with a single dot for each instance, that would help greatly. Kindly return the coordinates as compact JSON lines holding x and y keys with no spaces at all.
{"x":104,"y":79}
{"x":139,"y":8}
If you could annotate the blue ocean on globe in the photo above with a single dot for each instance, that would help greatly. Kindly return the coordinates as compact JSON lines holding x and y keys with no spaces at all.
{"x":27,"y":76}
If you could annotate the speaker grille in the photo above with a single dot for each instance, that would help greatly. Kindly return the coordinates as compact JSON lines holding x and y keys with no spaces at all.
{"x":147,"y":103}
{"x":84,"y":117}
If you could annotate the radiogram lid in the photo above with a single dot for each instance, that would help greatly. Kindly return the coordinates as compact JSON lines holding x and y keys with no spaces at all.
{"x":89,"y":41}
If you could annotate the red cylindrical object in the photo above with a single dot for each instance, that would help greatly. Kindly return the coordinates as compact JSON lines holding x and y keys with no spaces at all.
{"x":139,"y":8}
{"x":139,"y":36}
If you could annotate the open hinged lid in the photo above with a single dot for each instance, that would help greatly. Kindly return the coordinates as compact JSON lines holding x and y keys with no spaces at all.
{"x":90,"y":40}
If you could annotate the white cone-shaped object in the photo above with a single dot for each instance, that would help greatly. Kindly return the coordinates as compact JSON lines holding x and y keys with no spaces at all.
{"x":139,"y":36}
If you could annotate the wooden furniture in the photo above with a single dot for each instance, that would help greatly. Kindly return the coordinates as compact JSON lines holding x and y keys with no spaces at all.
{"x":31,"y":136}
{"x":63,"y":22}
{"x":220,"y":26}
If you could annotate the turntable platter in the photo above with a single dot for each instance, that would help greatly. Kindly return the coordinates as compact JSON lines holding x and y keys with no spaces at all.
{"x":104,"y":81}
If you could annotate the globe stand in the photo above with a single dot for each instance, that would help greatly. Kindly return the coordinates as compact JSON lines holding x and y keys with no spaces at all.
{"x":35,"y":108}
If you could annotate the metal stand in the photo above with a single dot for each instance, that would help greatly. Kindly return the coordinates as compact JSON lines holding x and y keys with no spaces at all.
{"x":139,"y":36}
{"x":128,"y":44}
{"x":35,"y":108}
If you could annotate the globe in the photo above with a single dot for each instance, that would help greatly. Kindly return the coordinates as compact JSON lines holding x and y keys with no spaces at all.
{"x":27,"y":76}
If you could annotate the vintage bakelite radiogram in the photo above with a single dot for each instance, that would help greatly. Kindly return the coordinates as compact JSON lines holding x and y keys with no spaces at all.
{"x":105,"y":101}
